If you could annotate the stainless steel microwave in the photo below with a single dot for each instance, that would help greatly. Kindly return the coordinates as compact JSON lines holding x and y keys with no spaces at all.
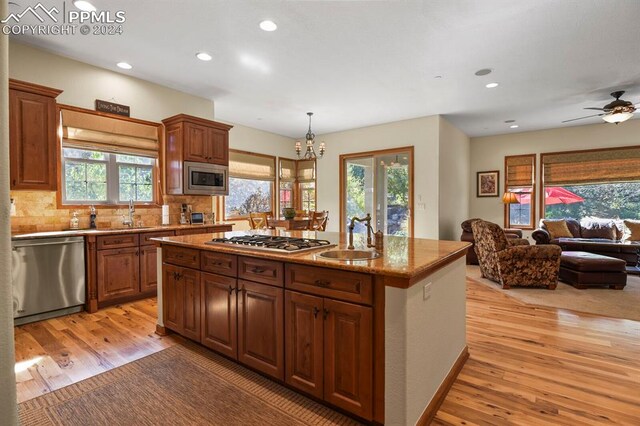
{"x":205,"y":179}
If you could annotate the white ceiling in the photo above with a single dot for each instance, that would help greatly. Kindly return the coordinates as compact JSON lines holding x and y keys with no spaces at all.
{"x":359,"y":63}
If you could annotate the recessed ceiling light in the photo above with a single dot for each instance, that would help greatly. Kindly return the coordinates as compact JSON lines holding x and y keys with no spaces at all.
{"x":491,"y":85}
{"x":84,"y":6}
{"x":268,"y":26}
{"x":438,"y":76}
{"x":124,"y":65}
{"x":514,"y":126}
{"x":483,"y":71}
{"x":203,"y":56}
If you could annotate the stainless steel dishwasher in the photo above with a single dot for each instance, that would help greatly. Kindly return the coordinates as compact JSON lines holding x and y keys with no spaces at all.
{"x":48,"y":277}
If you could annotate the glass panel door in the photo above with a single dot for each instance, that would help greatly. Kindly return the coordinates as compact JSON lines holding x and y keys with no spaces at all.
{"x":379,"y":184}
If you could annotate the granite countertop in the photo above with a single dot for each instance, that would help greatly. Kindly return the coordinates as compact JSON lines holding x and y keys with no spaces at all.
{"x":107,"y":231}
{"x":404,"y":261}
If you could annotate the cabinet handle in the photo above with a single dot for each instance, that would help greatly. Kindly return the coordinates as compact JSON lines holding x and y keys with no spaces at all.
{"x":315,"y":311}
{"x":238,"y":290}
{"x":326,"y":313}
{"x":230,"y":289}
{"x":14,"y":182}
{"x":257,"y":270}
{"x":322,"y":283}
{"x":137,"y":253}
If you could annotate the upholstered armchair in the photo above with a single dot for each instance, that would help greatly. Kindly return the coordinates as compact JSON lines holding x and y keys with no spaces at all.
{"x":514,"y":265}
{"x":467,"y":235}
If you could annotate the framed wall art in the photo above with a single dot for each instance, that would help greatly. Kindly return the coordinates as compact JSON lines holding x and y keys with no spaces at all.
{"x":488,"y":183}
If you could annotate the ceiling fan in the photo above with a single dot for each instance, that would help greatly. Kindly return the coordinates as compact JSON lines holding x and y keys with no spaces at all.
{"x":614,"y":112}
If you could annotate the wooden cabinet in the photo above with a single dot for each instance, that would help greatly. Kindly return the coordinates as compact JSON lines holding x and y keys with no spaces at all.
{"x":219,"y":314}
{"x":148,"y":269}
{"x":260,"y":270}
{"x":32,"y":136}
{"x":181,"y":300}
{"x":304,"y":342}
{"x":189,"y":138}
{"x":260,"y":327}
{"x":348,"y":357}
{"x":118,"y":273}
{"x":329,"y":350}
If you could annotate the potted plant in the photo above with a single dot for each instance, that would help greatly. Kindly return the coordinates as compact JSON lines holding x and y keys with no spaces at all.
{"x":289,"y":213}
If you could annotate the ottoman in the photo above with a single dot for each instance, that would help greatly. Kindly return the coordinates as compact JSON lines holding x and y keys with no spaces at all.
{"x":582,"y":270}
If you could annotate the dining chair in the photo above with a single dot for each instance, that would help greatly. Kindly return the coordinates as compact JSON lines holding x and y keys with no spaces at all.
{"x":318,"y":221}
{"x":259,"y":220}
{"x":299,"y":225}
{"x":302,"y":213}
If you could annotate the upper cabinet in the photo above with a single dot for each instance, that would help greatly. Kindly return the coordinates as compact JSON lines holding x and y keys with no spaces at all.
{"x":32,"y":136}
{"x":189,"y":138}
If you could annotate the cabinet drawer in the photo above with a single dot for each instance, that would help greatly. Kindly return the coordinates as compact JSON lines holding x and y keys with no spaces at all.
{"x":349,"y":286}
{"x":219,"y":263}
{"x":261,"y":271}
{"x":181,"y":256}
{"x":192,"y":231}
{"x":117,"y":241}
{"x":145,"y":239}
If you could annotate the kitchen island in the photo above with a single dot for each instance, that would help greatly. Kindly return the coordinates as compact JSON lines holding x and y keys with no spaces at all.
{"x":382,"y":339}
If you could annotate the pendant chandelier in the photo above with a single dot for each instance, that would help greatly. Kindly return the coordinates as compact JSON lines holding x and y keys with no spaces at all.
{"x":310,"y":153}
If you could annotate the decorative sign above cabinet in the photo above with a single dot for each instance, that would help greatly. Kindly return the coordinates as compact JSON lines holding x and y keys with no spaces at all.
{"x":112,"y":108}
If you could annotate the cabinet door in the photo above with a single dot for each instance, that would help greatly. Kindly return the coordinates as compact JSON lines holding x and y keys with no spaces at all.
{"x":32,"y":136}
{"x":219,"y":314}
{"x":148,"y":268}
{"x":118,"y":273}
{"x":348,"y":357}
{"x":196,"y":143}
{"x":173,"y":159}
{"x":172,"y":298}
{"x":190,"y":281}
{"x":260,"y":328}
{"x":218,"y":147}
{"x":304,"y":342}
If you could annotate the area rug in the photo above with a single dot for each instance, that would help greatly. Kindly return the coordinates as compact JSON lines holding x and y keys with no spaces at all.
{"x":182,"y":385}
{"x":599,"y":301}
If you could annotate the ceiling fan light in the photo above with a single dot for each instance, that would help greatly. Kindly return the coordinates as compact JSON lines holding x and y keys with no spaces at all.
{"x":617,"y":117}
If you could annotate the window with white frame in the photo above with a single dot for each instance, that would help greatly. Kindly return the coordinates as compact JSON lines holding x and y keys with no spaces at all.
{"x":96,"y":177}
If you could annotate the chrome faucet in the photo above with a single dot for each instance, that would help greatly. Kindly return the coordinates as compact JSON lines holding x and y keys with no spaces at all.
{"x":129,"y":222}
{"x":367,"y":219}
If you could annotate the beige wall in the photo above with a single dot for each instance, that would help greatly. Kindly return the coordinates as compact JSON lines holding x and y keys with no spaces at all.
{"x":422,"y":133}
{"x":453,"y":204}
{"x":83,"y":84}
{"x":487,"y":153}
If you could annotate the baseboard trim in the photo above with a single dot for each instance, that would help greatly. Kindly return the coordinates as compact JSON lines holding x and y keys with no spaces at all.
{"x":430,"y":412}
{"x":161,"y":330}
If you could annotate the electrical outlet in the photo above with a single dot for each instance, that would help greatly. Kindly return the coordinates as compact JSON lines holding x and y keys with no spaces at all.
{"x":422,"y":206}
{"x":426,"y":295}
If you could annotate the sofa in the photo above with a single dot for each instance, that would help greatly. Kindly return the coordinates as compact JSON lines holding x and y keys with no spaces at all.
{"x":467,"y":235}
{"x":506,"y":262}
{"x":593,"y":235}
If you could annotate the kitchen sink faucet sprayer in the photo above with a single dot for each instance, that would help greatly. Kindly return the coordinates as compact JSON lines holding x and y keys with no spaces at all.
{"x":378,"y":235}
{"x":129,"y":221}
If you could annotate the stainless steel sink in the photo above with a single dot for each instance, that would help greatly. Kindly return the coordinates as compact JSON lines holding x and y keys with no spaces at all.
{"x":350,"y":254}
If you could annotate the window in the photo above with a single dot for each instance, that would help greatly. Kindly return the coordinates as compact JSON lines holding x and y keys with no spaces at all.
{"x":287,"y":193}
{"x":308,"y":196}
{"x":520,"y":172}
{"x":285,"y":196}
{"x":600,"y":183}
{"x":95,"y":177}
{"x":297,"y":184}
{"x":251,"y":180}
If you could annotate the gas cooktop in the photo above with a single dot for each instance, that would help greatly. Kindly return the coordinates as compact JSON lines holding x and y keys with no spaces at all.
{"x":272,"y":243}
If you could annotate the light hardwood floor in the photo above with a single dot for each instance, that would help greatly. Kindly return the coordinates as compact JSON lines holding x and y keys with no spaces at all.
{"x":528,"y":365}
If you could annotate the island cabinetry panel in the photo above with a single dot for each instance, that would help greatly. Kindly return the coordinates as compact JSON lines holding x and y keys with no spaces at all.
{"x":261,"y":327}
{"x":304,"y":342}
{"x":343,"y":285}
{"x":260,"y":270}
{"x":219,"y":263}
{"x":32,"y":136}
{"x":118,"y":273}
{"x":181,"y":256}
{"x":219,"y":313}
{"x":181,"y":300}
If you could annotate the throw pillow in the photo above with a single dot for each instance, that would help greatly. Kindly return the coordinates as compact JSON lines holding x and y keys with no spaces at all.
{"x":634,"y":229}
{"x":557,"y":229}
{"x":598,"y":228}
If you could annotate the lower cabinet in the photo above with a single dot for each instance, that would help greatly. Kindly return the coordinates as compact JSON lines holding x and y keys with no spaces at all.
{"x":260,"y":327}
{"x":219,"y":314}
{"x":118,"y":272}
{"x":148,"y":268}
{"x":181,"y":300}
{"x":329,"y":347}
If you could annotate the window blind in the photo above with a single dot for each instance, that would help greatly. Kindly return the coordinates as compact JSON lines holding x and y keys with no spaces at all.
{"x":520,"y":170}
{"x":584,"y":167}
{"x":246,"y":165}
{"x":84,"y":130}
{"x":287,"y":170}
{"x":306,"y":171}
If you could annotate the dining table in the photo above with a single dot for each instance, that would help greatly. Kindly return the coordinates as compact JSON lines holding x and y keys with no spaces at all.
{"x":287,"y":224}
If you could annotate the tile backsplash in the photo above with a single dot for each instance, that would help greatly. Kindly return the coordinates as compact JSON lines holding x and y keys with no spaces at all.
{"x":37,"y":211}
